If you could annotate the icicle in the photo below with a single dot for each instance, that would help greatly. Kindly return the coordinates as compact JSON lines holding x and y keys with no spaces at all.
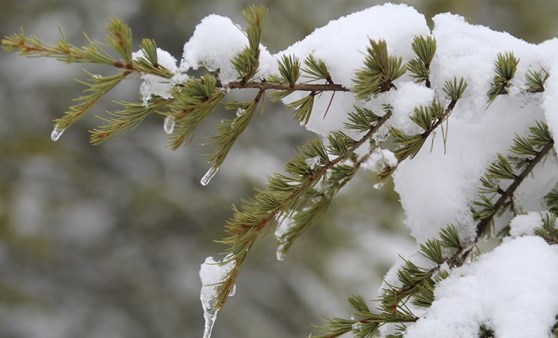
{"x":211,"y":274}
{"x":280,"y":252}
{"x":378,"y":185}
{"x":56,"y":133}
{"x":312,"y":162}
{"x":209,"y":318}
{"x":168,"y":125}
{"x":209,"y":175}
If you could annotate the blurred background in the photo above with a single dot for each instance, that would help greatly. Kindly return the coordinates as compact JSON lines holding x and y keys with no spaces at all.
{"x":106,"y":241}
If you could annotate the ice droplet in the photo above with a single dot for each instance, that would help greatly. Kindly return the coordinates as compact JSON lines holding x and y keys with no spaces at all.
{"x":312,"y":162}
{"x":240,"y":112}
{"x":233,"y":291}
{"x":209,"y":175}
{"x":280,"y":253}
{"x":56,"y":133}
{"x":357,"y":326}
{"x":225,"y":89}
{"x":378,"y":185}
{"x":168,"y":125}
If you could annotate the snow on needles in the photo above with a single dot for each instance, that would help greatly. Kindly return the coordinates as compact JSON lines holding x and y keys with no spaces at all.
{"x":215,"y":42}
{"x":438,"y":185}
{"x":153,"y":85}
{"x":511,"y":290}
{"x":341,"y":45}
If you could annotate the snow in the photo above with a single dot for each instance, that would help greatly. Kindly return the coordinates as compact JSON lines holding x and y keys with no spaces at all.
{"x":511,"y":290}
{"x":408,"y":96}
{"x":550,"y":103}
{"x":437,"y":186}
{"x":215,"y":42}
{"x":284,"y":225}
{"x":153,"y":85}
{"x":525,"y":224}
{"x":342,"y":44}
{"x":380,"y":159}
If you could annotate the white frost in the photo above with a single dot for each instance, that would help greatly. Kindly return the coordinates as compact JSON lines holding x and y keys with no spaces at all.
{"x":511,"y":290}
{"x":311,"y":162}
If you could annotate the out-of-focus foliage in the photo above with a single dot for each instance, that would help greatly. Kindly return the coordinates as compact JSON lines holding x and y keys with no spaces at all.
{"x":106,"y":241}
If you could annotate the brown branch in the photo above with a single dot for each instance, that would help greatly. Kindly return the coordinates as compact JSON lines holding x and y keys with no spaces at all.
{"x":508,"y":193}
{"x":308,"y":87}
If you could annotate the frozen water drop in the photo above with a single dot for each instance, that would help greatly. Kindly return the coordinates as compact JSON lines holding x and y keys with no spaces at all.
{"x":209,"y":175}
{"x":357,"y":326}
{"x":378,"y":185}
{"x":280,"y":253}
{"x":225,"y":89}
{"x":233,"y":291}
{"x":240,"y":112}
{"x":56,"y":133}
{"x":97,"y":76}
{"x":169,"y":124}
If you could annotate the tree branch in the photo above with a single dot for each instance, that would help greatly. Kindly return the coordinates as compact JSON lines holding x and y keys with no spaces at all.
{"x":308,"y":87}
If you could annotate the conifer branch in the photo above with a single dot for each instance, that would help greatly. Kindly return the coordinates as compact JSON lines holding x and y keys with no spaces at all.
{"x":536,"y":80}
{"x":505,"y":68}
{"x":246,"y":62}
{"x":282,"y":196}
{"x":549,"y":228}
{"x":125,"y":119}
{"x":97,"y":87}
{"x":506,"y":195}
{"x":424,"y":48}
{"x":379,"y":72}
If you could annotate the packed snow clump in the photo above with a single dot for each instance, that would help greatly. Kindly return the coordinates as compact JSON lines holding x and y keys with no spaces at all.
{"x":341,"y":45}
{"x":153,"y":85}
{"x":525,"y":225}
{"x":511,"y":290}
{"x":215,"y":42}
